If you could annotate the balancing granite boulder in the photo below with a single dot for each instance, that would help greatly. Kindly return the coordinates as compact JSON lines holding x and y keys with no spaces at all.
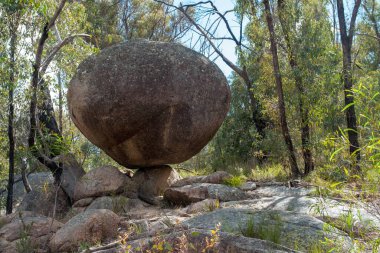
{"x":148,"y":103}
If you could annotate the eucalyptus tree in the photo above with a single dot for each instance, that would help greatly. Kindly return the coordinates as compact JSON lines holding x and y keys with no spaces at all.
{"x":286,"y":26}
{"x":12,"y":11}
{"x":346,"y":37}
{"x":280,"y":93}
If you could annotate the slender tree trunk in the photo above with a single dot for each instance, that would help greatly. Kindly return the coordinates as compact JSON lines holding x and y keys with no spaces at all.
{"x":303,"y":110}
{"x":332,"y":2}
{"x":11,"y":86}
{"x":24,"y":176}
{"x":60,"y":101}
{"x":36,"y":78}
{"x":346,"y":41}
{"x":281,"y":103}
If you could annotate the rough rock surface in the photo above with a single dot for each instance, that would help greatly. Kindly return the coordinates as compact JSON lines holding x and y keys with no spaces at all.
{"x":156,"y":102}
{"x":71,"y":173}
{"x":248,"y":186}
{"x":203,"y":206}
{"x":193,"y":193}
{"x":215,"y":178}
{"x":227,"y":243}
{"x":33,"y":232}
{"x":101,"y":181}
{"x":91,"y":226}
{"x":36,"y":180}
{"x":42,"y":200}
{"x":118,"y":204}
{"x":152,"y":182}
{"x":83,"y":202}
{"x":290,"y":229}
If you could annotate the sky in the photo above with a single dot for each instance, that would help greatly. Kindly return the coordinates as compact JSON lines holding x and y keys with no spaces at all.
{"x":227,"y":46}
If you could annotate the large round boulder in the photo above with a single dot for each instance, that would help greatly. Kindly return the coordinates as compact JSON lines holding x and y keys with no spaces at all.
{"x":148,"y":103}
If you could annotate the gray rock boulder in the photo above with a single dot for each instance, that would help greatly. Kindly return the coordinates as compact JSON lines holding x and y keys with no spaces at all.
{"x":118,"y":204}
{"x":101,"y":181}
{"x":36,"y":180}
{"x":248,"y":186}
{"x":32,"y":233}
{"x":195,"y":240}
{"x":92,"y":226}
{"x":290,"y":229}
{"x":206,"y":205}
{"x":72,"y":171}
{"x":197,"y":192}
{"x":47,"y":199}
{"x":156,"y":102}
{"x":83,"y":202}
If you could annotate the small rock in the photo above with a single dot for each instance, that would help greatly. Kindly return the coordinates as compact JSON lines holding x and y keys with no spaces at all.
{"x":193,"y":193}
{"x":215,"y":178}
{"x":248,"y":186}
{"x":83,"y":202}
{"x":91,"y":226}
{"x":101,"y":181}
{"x":206,"y":205}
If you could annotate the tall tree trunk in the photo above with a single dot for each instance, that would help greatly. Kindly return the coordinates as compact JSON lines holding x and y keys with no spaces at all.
{"x":60,"y":101}
{"x":280,"y":93}
{"x":11,"y":86}
{"x":346,"y":40}
{"x":303,"y":110}
{"x":36,"y":79}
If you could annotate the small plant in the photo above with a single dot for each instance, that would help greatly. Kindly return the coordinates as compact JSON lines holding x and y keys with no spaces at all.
{"x":179,"y":244}
{"x":213,"y":206}
{"x":84,"y":246}
{"x":266,"y":230}
{"x":235,"y":181}
{"x":211,"y":242}
{"x":24,"y":244}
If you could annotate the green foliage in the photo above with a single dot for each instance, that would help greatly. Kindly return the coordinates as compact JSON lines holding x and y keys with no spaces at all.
{"x":83,"y":246}
{"x":270,"y":172}
{"x":235,"y":181}
{"x":269,"y":230}
{"x":235,"y":141}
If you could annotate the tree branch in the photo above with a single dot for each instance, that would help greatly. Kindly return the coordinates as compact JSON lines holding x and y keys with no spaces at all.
{"x":353,"y":20}
{"x":35,"y":76}
{"x":56,"y":49}
{"x":204,"y":34}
